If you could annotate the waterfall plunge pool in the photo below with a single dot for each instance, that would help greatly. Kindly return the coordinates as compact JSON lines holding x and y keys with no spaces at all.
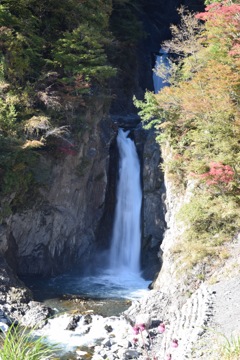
{"x":103,"y":297}
{"x":107,"y":293}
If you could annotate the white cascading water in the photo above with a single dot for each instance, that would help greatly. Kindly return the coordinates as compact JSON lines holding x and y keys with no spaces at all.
{"x":158,"y":82}
{"x":126,"y":241}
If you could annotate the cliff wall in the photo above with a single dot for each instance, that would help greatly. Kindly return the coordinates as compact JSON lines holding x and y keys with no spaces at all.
{"x":59,"y":229}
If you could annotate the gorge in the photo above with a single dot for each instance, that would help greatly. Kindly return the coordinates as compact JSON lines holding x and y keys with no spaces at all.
{"x":87,"y":215}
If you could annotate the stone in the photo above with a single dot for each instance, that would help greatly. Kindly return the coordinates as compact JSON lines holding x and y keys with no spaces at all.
{"x":36,"y":316}
{"x":87,"y":319}
{"x":81,"y":353}
{"x":107,"y":343}
{"x":108,"y":328}
{"x":114,"y":348}
{"x":131,"y":354}
{"x":124,"y":343}
{"x":3,"y":326}
{"x":73,"y":323}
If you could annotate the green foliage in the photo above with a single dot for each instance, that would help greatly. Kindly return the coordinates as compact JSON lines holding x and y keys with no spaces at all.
{"x":209,"y":222}
{"x":208,"y":2}
{"x":210,"y":216}
{"x":124,"y":21}
{"x":65,"y":36}
{"x":53,"y":54}
{"x":8,"y":116}
{"x":197,"y":119}
{"x":150,"y":112}
{"x":81,"y":52}
{"x":19,"y":344}
{"x":230,"y":350}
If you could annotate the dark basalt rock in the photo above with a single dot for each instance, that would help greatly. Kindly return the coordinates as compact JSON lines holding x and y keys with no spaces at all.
{"x":108,"y":328}
{"x":87,"y":319}
{"x":73,"y":323}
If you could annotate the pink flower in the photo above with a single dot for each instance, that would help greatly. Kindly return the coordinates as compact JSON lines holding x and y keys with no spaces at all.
{"x":174,"y":343}
{"x":141,"y":327}
{"x":168,"y":357}
{"x":136,"y":330}
{"x":135,"y":340}
{"x":161,"y":328}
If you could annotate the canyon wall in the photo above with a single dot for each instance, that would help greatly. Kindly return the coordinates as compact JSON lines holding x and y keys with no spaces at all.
{"x":65,"y":224}
{"x":59,"y":229}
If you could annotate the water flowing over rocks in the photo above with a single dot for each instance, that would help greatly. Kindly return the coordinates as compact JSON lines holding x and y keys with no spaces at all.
{"x":116,"y":338}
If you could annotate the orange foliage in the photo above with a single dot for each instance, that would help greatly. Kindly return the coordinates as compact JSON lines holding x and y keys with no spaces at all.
{"x":223,"y":20}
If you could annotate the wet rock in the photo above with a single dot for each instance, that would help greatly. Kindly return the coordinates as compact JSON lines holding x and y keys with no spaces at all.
{"x":81,"y":353}
{"x":108,"y":328}
{"x":14,"y":296}
{"x":153,"y":196}
{"x":3,"y":327}
{"x":87,"y":319}
{"x":36,"y":316}
{"x":131,"y":354}
{"x":73,"y":323}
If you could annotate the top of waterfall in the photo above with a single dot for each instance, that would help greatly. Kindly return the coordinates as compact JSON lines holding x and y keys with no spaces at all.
{"x":129,"y":121}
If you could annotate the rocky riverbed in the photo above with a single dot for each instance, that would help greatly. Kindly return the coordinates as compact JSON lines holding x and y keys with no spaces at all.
{"x":168,"y":327}
{"x":152,"y":328}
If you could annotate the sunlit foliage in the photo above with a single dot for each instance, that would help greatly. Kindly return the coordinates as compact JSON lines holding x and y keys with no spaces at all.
{"x":56,"y":59}
{"x":198,"y":116}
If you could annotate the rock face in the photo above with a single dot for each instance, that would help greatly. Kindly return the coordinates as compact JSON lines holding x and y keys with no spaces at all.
{"x":11,"y":288}
{"x":174,"y":278}
{"x":153,"y":209}
{"x":60,"y":228}
{"x":16,"y":303}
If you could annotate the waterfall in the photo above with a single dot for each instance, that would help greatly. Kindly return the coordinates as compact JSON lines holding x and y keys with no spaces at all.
{"x":126,"y":241}
{"x":161,"y":59}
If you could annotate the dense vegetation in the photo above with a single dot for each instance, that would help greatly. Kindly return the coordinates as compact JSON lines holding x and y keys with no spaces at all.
{"x":20,"y":343}
{"x":56,"y":58}
{"x":197,"y":119}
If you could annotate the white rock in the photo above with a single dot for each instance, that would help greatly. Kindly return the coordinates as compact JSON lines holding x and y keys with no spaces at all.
{"x":131,"y":354}
{"x":124,"y":343}
{"x":81,"y":353}
{"x":3,"y":326}
{"x":107,"y":343}
{"x":114,"y":348}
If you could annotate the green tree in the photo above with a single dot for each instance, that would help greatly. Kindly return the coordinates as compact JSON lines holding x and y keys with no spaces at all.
{"x":197,"y":119}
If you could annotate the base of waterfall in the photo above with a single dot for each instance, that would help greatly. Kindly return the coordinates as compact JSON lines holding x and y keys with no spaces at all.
{"x":98,"y":337}
{"x":103,"y":284}
{"x":95,"y":301}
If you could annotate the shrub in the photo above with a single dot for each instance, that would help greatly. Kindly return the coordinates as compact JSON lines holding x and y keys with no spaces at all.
{"x":19,"y":344}
{"x":230,"y":350}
